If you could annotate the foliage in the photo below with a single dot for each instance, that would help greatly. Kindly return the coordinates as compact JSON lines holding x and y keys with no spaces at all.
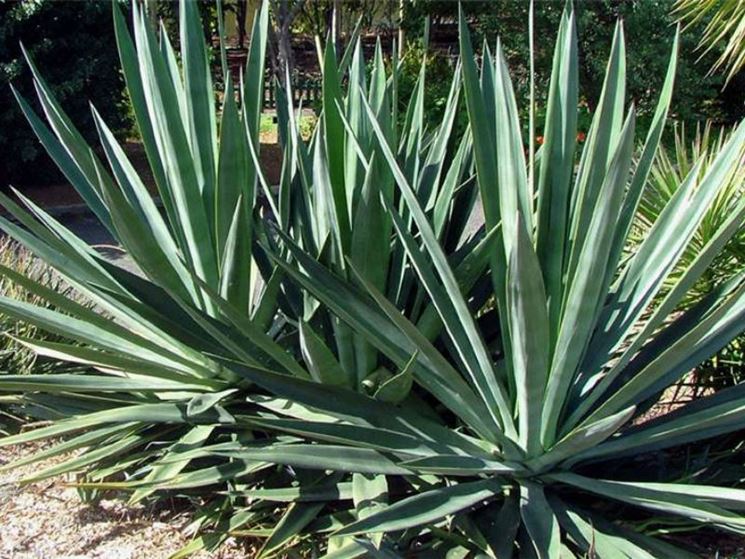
{"x":649,"y":29}
{"x":692,"y":158}
{"x":724,"y":23}
{"x":88,"y":70}
{"x":440,"y":69}
{"x":336,"y":377}
{"x":725,"y":369}
{"x":16,"y":358}
{"x":314,"y":17}
{"x":167,"y":13}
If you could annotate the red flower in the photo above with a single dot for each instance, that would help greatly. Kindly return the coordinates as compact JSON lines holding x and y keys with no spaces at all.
{"x":581,"y":136}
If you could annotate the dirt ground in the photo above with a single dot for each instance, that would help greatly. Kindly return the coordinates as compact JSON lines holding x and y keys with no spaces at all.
{"x":47,"y":520}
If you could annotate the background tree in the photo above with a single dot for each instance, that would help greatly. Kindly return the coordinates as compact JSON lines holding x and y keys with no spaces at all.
{"x":283,"y":15}
{"x":79,"y":65}
{"x":649,"y":30}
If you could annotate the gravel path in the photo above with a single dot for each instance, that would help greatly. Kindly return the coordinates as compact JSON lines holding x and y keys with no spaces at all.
{"x":47,"y":520}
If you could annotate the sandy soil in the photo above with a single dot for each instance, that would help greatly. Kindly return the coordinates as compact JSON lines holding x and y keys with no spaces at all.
{"x":47,"y":520}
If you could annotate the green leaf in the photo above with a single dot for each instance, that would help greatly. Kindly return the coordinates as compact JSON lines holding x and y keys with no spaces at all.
{"x":333,"y":140}
{"x":347,"y":405}
{"x":113,"y":447}
{"x":539,"y":520}
{"x":203,"y":402}
{"x":342,"y":491}
{"x":447,"y":297}
{"x":130,"y":70}
{"x":145,"y":413}
{"x":385,"y":440}
{"x":529,"y":336}
{"x":461,"y":465}
{"x":66,"y":163}
{"x":369,"y":493}
{"x":583,"y":438}
{"x":233,"y":182}
{"x":658,"y":498}
{"x":161,"y":472}
{"x":54,"y":383}
{"x":321,"y":457}
{"x":605,"y":542}
{"x":322,"y":364}
{"x":71,"y":444}
{"x":512,"y":180}
{"x":199,"y":97}
{"x":443,"y":381}
{"x":602,"y":143}
{"x":556,"y":165}
{"x":585,"y":288}
{"x":297,"y":517}
{"x":481,"y":122}
{"x":424,"y":508}
{"x":172,"y":138}
{"x":707,"y":417}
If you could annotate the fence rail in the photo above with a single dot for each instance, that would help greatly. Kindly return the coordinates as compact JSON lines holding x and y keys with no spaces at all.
{"x":305,"y":91}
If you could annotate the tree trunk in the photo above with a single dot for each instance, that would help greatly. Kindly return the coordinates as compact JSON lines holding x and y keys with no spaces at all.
{"x":240,"y":16}
{"x":336,"y":28}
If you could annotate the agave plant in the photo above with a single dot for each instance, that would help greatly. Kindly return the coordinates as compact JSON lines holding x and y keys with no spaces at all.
{"x":145,"y":357}
{"x":158,"y":350}
{"x":349,"y":365}
{"x":584,"y":349}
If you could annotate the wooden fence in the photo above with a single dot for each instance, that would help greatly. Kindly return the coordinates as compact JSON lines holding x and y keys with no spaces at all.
{"x":305,"y":90}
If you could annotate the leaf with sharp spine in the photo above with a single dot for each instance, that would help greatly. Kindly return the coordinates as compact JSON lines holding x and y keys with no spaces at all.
{"x":322,"y":457}
{"x":347,"y":405}
{"x":159,"y":472}
{"x":657,"y":498}
{"x":146,"y":413}
{"x":386,"y":440}
{"x":321,"y":362}
{"x":199,"y":98}
{"x":443,"y":381}
{"x":455,"y":313}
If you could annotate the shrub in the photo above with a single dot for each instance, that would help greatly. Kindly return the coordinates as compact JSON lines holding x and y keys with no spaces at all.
{"x":440,"y":70}
{"x":88,"y":70}
{"x":690,"y":160}
{"x":16,"y":358}
{"x":338,"y":375}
